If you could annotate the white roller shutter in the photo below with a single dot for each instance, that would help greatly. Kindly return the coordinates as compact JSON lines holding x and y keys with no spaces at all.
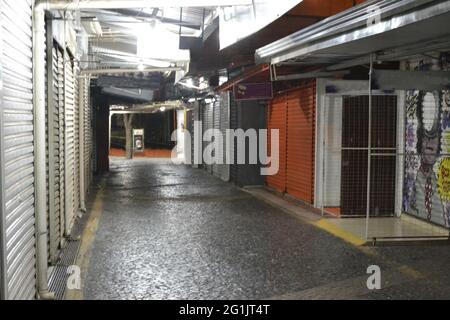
{"x":54,"y":168}
{"x":69,"y":98}
{"x":18,"y":258}
{"x":216,"y":126}
{"x":87,"y":134}
{"x":207,"y":124}
{"x":62,"y":135}
{"x":76,"y":121}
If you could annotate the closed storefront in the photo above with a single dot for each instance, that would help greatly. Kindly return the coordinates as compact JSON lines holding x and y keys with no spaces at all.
{"x":215,"y":121}
{"x":221,"y":124}
{"x":354,"y":171}
{"x":301,"y":105}
{"x":70,"y":148}
{"x":426,"y":191}
{"x":276,"y":120}
{"x":18,"y":260}
{"x":247,"y":115}
{"x":55,"y":114}
{"x":76,"y":136}
{"x":207,"y":123}
{"x":87,"y":129}
{"x":218,"y":154}
{"x":345,"y":125}
{"x":293,"y":113}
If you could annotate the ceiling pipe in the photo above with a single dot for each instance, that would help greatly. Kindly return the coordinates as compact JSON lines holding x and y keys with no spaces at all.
{"x":70,"y":5}
{"x":121,"y":70}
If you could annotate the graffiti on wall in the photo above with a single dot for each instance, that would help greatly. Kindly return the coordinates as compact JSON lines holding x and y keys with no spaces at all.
{"x":427,"y":159}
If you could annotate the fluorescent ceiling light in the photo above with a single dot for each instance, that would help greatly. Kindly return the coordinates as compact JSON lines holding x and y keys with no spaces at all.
{"x":158,"y":43}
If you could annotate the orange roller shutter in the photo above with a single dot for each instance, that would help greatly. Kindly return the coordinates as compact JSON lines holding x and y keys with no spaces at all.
{"x":301,"y":109}
{"x":277,"y":120}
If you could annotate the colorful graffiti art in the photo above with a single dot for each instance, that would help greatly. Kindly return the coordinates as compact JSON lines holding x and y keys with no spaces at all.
{"x":444,"y":187}
{"x":427,"y":143}
{"x":444,"y":180}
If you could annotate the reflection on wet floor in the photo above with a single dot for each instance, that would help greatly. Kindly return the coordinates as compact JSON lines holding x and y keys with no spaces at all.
{"x":172,"y":232}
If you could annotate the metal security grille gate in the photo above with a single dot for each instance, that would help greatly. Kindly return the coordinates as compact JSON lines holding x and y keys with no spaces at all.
{"x":18,"y":261}
{"x":354,"y":150}
{"x":69,"y":136}
{"x":362,"y":166}
{"x":351,"y":123}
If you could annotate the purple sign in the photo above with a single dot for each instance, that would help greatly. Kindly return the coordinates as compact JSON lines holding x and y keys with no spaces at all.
{"x":253,"y":91}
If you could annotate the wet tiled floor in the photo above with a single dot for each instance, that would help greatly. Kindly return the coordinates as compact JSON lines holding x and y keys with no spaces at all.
{"x":173,"y":232}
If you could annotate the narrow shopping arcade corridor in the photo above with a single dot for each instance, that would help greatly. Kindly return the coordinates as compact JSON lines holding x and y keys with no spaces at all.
{"x":173,"y":232}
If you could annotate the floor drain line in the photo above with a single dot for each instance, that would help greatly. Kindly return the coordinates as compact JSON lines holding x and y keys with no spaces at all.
{"x":59,"y":276}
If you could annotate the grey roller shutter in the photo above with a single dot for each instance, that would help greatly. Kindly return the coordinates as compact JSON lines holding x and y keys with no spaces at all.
{"x":204,"y":113}
{"x":223,"y":126}
{"x":87,"y":134}
{"x":234,"y":168}
{"x":54,"y":168}
{"x":62,"y":135}
{"x":207,"y":124}
{"x":76,"y":127}
{"x":196,"y":116}
{"x":210,"y":120}
{"x":69,"y":109}
{"x":17,"y":152}
{"x":216,"y":125}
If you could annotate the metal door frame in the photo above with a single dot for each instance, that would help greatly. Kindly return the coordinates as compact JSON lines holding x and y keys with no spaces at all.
{"x":340,"y":89}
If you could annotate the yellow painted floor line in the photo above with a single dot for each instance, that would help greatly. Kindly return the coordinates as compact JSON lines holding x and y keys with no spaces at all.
{"x":340,"y":233}
{"x":87,"y":241}
{"x":411,"y":272}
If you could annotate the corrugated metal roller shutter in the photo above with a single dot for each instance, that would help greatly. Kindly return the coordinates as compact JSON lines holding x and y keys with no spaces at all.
{"x":76,"y":126}
{"x":224,"y":125}
{"x":332,"y":156}
{"x":48,"y":61}
{"x":204,"y":114}
{"x":276,"y":119}
{"x":87,"y":134}
{"x":216,"y":126}
{"x":54,"y":167}
{"x":62,"y":148}
{"x":234,"y":168}
{"x":17,"y":151}
{"x":196,"y":116}
{"x":207,"y":124}
{"x":69,"y":98}
{"x":301,"y":105}
{"x":210,"y":108}
{"x":94,"y":141}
